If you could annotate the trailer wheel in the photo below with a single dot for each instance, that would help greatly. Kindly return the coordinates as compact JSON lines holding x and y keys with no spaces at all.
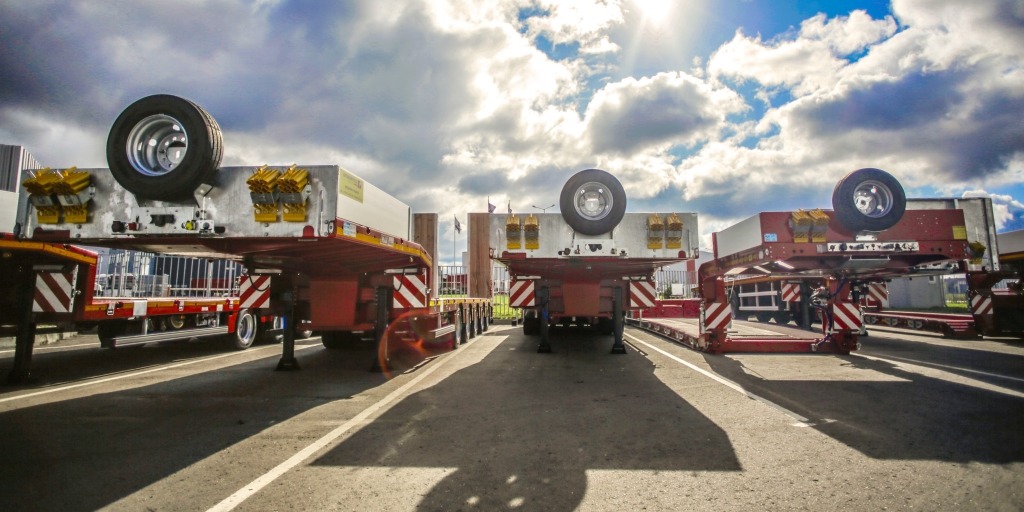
{"x":246,"y":327}
{"x":164,"y":147}
{"x":868,"y":200}
{"x":176,"y":322}
{"x":301,"y":332}
{"x":592,"y":202}
{"x":531,"y":326}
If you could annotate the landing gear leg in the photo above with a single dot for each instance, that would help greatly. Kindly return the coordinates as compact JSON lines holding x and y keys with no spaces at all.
{"x":288,"y":363}
{"x":380,"y":330}
{"x":618,"y":321}
{"x":545,"y":338}
{"x":26,"y":336}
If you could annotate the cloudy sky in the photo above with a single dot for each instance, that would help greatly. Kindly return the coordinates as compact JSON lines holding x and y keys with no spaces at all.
{"x":724,"y":108}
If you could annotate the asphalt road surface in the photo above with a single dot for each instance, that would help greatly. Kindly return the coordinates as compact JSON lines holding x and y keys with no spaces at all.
{"x":908,"y":423}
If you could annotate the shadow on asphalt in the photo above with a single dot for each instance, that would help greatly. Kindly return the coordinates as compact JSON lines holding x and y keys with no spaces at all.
{"x":915,"y":418}
{"x":521,"y":429}
{"x":87,"y":453}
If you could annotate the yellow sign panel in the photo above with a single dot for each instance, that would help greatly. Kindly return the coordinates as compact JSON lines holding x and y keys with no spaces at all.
{"x":349,"y":185}
{"x":959,"y":232}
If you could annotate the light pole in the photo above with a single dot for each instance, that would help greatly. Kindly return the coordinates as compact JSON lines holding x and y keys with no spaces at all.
{"x":544,"y":209}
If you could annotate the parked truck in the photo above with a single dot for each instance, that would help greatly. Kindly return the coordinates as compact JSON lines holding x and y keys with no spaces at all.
{"x":317,"y":243}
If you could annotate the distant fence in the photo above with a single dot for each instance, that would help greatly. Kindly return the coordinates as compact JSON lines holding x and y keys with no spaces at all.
{"x":121,"y":273}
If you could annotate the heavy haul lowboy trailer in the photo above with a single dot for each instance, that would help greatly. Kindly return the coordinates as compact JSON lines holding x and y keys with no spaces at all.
{"x":318,"y":242}
{"x":993,"y":309}
{"x":786,"y":300}
{"x":868,"y":236}
{"x":591,"y":263}
{"x":66,"y":291}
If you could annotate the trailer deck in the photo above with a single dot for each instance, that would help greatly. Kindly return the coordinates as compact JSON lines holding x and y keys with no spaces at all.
{"x":742,"y":336}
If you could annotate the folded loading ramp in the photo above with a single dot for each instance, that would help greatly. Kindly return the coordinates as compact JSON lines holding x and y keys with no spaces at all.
{"x":742,"y":336}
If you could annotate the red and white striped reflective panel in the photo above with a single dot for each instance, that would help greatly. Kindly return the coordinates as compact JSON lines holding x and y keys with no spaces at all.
{"x":641,"y":294}
{"x":878,"y":294}
{"x":254,"y":292}
{"x":410,"y":291}
{"x":791,"y":292}
{"x":981,"y":305}
{"x":717,"y":315}
{"x":55,"y":292}
{"x":520,"y":294}
{"x":846,"y":316}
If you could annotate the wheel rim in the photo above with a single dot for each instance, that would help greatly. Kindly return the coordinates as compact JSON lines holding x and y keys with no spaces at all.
{"x":156,"y":145}
{"x":176,"y":322}
{"x":246,"y":328}
{"x":873,"y":198}
{"x":593,"y":201}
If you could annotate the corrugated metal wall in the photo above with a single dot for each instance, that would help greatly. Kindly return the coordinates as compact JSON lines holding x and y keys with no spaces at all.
{"x":12,"y":160}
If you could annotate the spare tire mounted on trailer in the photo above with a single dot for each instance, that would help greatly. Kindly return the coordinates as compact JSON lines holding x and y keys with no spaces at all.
{"x":868,"y":200}
{"x":593,"y":202}
{"x":164,"y":147}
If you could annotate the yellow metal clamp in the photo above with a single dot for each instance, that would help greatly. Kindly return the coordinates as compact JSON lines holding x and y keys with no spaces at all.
{"x":294,"y":188}
{"x":262,"y":186}
{"x":531,"y":232}
{"x":674,"y":232}
{"x":269,"y":186}
{"x":655,"y":231}
{"x":53,"y":191}
{"x":808,"y":226}
{"x":513,"y":232}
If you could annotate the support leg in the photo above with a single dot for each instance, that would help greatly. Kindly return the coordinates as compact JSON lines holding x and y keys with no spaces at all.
{"x":618,"y":321}
{"x":26,"y":336}
{"x":380,"y":330}
{"x":545,"y":339}
{"x":463,"y":321}
{"x":288,"y":363}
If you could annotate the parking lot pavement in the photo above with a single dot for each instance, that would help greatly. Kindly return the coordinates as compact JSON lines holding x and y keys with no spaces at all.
{"x":495,"y":425}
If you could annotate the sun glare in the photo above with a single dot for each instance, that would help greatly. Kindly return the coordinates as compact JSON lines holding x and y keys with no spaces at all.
{"x":654,"y":11}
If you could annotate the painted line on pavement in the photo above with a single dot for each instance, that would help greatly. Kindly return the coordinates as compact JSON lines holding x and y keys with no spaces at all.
{"x":44,"y":347}
{"x":957,"y":368}
{"x":382,"y":406}
{"x":926,"y":369}
{"x":136,"y":374}
{"x":801,"y":421}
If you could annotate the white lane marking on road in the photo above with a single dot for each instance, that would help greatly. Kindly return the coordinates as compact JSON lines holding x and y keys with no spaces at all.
{"x":801,"y":421}
{"x":37,"y":349}
{"x":136,"y":374}
{"x":383,"y":405}
{"x":926,"y":369}
{"x":957,"y":368}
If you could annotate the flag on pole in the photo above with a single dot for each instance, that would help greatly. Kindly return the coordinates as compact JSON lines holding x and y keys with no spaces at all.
{"x":510,"y":207}
{"x":490,"y":207}
{"x":458,"y":227}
